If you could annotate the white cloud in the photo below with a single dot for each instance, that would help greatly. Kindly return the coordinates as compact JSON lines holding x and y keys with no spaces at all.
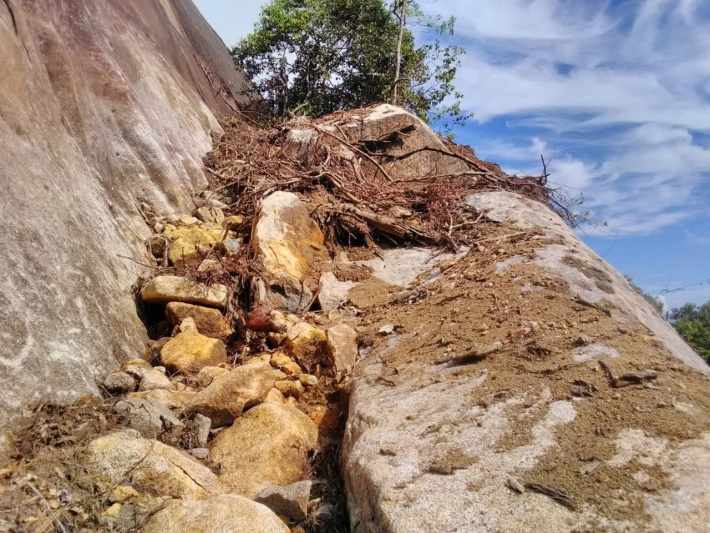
{"x":618,"y":119}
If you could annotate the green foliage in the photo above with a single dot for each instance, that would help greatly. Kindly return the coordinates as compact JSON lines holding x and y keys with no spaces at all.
{"x":655,"y":302}
{"x":320,"y":56}
{"x":693,"y":323}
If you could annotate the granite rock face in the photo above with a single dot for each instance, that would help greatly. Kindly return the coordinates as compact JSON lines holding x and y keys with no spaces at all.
{"x":83,"y":143}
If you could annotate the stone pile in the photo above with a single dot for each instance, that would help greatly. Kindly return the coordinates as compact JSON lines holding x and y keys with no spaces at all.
{"x":206,"y":440}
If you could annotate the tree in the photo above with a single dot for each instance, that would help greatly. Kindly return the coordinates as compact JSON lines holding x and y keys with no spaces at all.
{"x":320,"y":56}
{"x":693,"y":324}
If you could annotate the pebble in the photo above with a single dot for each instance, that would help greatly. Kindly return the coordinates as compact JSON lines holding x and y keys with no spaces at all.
{"x":386,"y":330}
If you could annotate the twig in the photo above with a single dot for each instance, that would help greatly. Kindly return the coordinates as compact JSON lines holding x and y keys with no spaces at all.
{"x":136,"y":261}
{"x":46,"y":504}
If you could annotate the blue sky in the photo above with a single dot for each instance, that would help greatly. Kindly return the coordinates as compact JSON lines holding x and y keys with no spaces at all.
{"x":615,"y":93}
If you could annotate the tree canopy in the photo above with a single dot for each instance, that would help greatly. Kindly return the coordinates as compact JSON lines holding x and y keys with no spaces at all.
{"x":693,"y":323}
{"x":320,"y":56}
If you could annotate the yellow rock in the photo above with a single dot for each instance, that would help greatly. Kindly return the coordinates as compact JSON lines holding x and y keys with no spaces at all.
{"x":290,"y":388}
{"x":209,"y":321}
{"x":275,"y":396}
{"x":190,"y":351}
{"x":189,"y":244}
{"x":113,"y":511}
{"x":166,"y":289}
{"x":122,"y":493}
{"x":233,"y":223}
{"x":267,"y":446}
{"x":305,"y":342}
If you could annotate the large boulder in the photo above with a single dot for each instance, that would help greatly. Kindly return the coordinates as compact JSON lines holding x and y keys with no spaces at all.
{"x":226,"y":513}
{"x":526,"y":394}
{"x":158,"y":469}
{"x":287,"y":241}
{"x":267,"y":446}
{"x":85,"y":146}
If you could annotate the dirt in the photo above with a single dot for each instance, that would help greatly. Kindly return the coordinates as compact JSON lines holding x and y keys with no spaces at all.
{"x":539,"y":323}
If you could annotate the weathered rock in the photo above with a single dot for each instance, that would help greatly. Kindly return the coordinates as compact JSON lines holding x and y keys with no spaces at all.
{"x":190,"y":244}
{"x":306,"y":343}
{"x":226,"y":513}
{"x":333,"y":293}
{"x":444,"y":434}
{"x":209,"y":321}
{"x":290,"y":501}
{"x":275,"y":395}
{"x":267,"y":446}
{"x":289,"y":387}
{"x":152,"y":419}
{"x":200,"y":453}
{"x":157,"y":246}
{"x":119,"y":382}
{"x":188,"y":325}
{"x":122,"y":493}
{"x":155,"y":379}
{"x":136,"y":367}
{"x":207,"y":374}
{"x":342,"y":346}
{"x":131,"y":124}
{"x":204,"y":214}
{"x":308,"y":380}
{"x":155,"y":467}
{"x":174,"y":400}
{"x":230,"y":394}
{"x":191,"y":351}
{"x":166,"y":289}
{"x":286,"y":240}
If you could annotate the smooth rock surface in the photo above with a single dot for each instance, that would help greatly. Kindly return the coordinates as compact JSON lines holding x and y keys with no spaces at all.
{"x":157,"y":468}
{"x":266,"y":446}
{"x":226,"y":513}
{"x":82,"y":142}
{"x":191,"y":351}
{"x":286,"y":240}
{"x":209,"y":321}
{"x":166,"y":289}
{"x":333,"y":293}
{"x":230,"y":394}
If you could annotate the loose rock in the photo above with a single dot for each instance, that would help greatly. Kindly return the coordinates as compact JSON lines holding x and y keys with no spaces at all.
{"x":287,"y":241}
{"x":306,"y":343}
{"x":227,"y":513}
{"x":155,"y":379}
{"x":290,"y":501}
{"x":166,"y":289}
{"x":267,"y":446}
{"x":209,"y":321}
{"x":230,"y":394}
{"x":191,"y":351}
{"x":119,"y":382}
{"x":342,"y":346}
{"x":152,"y":419}
{"x":155,"y":467}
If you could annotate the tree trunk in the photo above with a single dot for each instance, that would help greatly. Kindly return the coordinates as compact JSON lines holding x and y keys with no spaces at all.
{"x":402,"y":6}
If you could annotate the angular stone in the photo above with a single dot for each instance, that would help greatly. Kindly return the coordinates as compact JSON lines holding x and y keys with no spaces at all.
{"x":267,"y":446}
{"x":155,"y":379}
{"x":230,"y":394}
{"x":286,"y":240}
{"x":290,"y":501}
{"x":152,"y":419}
{"x":166,"y":289}
{"x":226,"y":513}
{"x":191,"y":351}
{"x":209,"y":321}
{"x":174,"y":400}
{"x":157,"y":468}
{"x":308,"y":380}
{"x":306,"y":343}
{"x":188,"y":324}
{"x":333,"y":293}
{"x":136,"y":367}
{"x":275,"y":395}
{"x":288,"y":387}
{"x":119,"y":382}
{"x":342,"y":346}
{"x":204,"y":214}
{"x":189,"y":244}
